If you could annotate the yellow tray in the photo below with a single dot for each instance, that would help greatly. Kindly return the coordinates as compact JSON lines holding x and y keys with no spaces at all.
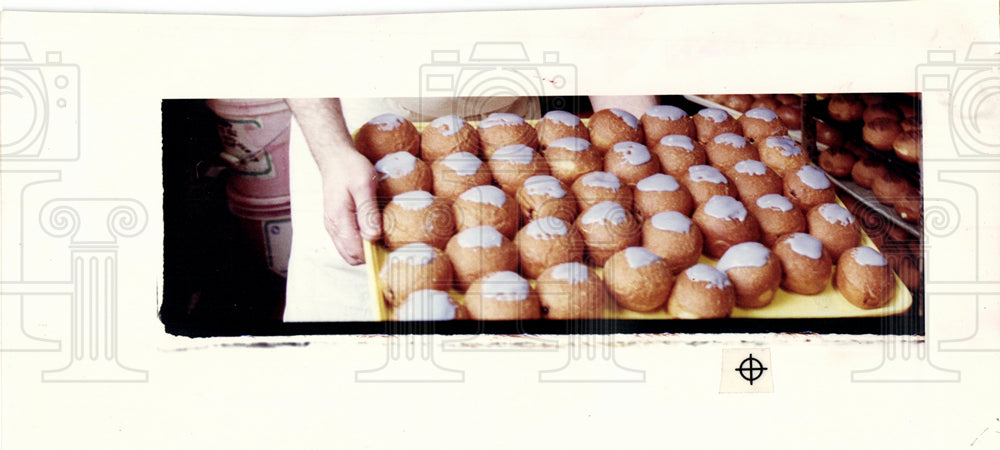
{"x":786,"y":305}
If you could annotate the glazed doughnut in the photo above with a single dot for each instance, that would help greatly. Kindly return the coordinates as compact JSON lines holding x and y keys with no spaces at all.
{"x":502,"y":295}
{"x":446,"y":135}
{"x":759,"y":123}
{"x":677,"y":153}
{"x":909,"y":146}
{"x":673,"y":237}
{"x":846,"y":108}
{"x":837,"y":162}
{"x":479,"y":251}
{"x":611,"y":126}
{"x":487,"y":205}
{"x":638,"y":279}
{"x":543,"y":195}
{"x":754,"y":272}
{"x":457,"y":172}
{"x":864,"y":278}
{"x":568,"y":158}
{"x":806,"y":264}
{"x":597,"y":187}
{"x":402,"y":172}
{"x":411,"y":268}
{"x":881,"y":133}
{"x":665,"y":120}
{"x":607,"y":228}
{"x":809,"y":187}
{"x":630,"y":162}
{"x":657,"y":193}
{"x":834,"y":227}
{"x":705,"y":182}
{"x":727,"y":149}
{"x":724,"y":222}
{"x":711,"y":122}
{"x":556,"y":125}
{"x":777,"y":216}
{"x":417,"y":216}
{"x":571,"y":291}
{"x":782,"y":154}
{"x":385,"y":134}
{"x":499,"y":130}
{"x":545,"y":242}
{"x":429,"y":304}
{"x":866,"y":170}
{"x":513,"y":164}
{"x":752,"y":179}
{"x":702,"y":292}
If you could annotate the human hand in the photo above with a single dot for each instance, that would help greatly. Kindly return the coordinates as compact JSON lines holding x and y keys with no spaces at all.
{"x":350,"y":208}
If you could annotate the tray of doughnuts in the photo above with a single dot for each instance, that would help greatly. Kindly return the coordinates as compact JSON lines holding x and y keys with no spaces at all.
{"x":667,"y":216}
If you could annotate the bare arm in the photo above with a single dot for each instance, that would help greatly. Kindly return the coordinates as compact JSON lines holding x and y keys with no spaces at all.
{"x":635,"y":104}
{"x":350,"y":211}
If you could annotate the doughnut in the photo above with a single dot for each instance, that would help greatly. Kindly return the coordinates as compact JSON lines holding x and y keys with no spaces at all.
{"x":766,"y":102}
{"x":837,"y":162}
{"x":446,"y":135}
{"x":607,"y":228}
{"x":411,"y":268}
{"x":881,"y":110}
{"x":597,"y":187}
{"x":808,"y":187}
{"x":571,"y":291}
{"x":502,"y":295}
{"x":630,"y":162}
{"x":638,"y":279}
{"x":759,"y":123}
{"x":417,"y":216}
{"x":754,"y":272}
{"x":908,"y":146}
{"x":828,"y":135}
{"x":673,"y":237}
{"x":611,"y":126}
{"x":705,"y":182}
{"x":513,"y":164}
{"x":909,"y":124}
{"x":790,"y":115}
{"x":487,"y":205}
{"x":777,"y":216}
{"x":543,"y":195}
{"x":881,"y":133}
{"x":665,"y":120}
{"x":866,"y":170}
{"x":457,"y":172}
{"x":727,"y":149}
{"x":806,"y":264}
{"x":385,"y":134}
{"x":864,"y":278}
{"x":657,"y":193}
{"x":834,"y":227}
{"x":846,"y":108}
{"x":782,"y":154}
{"x":702,"y":292}
{"x":568,"y":158}
{"x":711,"y":122}
{"x":479,"y":251}
{"x":499,"y":130}
{"x":402,"y":172}
{"x":678,"y":152}
{"x":556,"y":125}
{"x":545,"y":242}
{"x":739,"y":102}
{"x":429,"y":304}
{"x":752,"y":179}
{"x":725,"y":222}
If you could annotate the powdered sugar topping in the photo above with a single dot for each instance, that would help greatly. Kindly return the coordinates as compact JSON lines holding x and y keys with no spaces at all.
{"x":626,"y":117}
{"x":785,"y":145}
{"x":679,"y":141}
{"x":744,"y":254}
{"x":751,"y":167}
{"x":639,"y":257}
{"x":396,"y":165}
{"x":479,"y":237}
{"x":658,"y":182}
{"x":415,"y":254}
{"x":672,"y":221}
{"x":427,"y":304}
{"x":633,"y":153}
{"x":504,"y":119}
{"x":517,"y":154}
{"x":708,"y":274}
{"x":573,"y":144}
{"x":604,"y":212}
{"x":386,"y":122}
{"x":571,"y":272}
{"x":666,"y":112}
{"x":813,"y":177}
{"x":463,"y":163}
{"x":414,"y":200}
{"x":835,"y":213}
{"x":546,"y":228}
{"x":486,"y":194}
{"x":726,"y":208}
{"x":867,"y":256}
{"x":563,"y":117}
{"x":806,"y":245}
{"x":546,"y":185}
{"x":505,"y":286}
{"x":603,"y":180}
{"x":776,"y":202}
{"x":448,"y":125}
{"x":731,"y":139}
{"x":710,"y":174}
{"x":714,"y":114}
{"x":762,"y":114}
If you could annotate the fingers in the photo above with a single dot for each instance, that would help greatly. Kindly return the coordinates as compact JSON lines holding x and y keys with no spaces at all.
{"x":369,"y":220}
{"x":343,"y":230}
{"x":351,"y":213}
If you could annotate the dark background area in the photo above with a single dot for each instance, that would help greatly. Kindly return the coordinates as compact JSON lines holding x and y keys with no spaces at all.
{"x":216,"y":285}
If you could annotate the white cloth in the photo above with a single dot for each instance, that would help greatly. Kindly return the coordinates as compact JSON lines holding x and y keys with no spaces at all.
{"x":321,"y":286}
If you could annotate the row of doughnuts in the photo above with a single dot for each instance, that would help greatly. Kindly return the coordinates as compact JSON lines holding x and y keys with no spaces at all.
{"x":603,"y":197}
{"x":887,"y":125}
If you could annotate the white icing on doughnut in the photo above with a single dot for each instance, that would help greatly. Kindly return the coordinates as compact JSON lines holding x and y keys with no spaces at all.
{"x":386,"y":122}
{"x":415,"y":254}
{"x":633,"y":153}
{"x":706,"y":173}
{"x":414,"y":200}
{"x":479,"y":237}
{"x":448,"y":125}
{"x":714,"y":114}
{"x":396,"y":165}
{"x":573,"y":144}
{"x":517,"y":154}
{"x":546,"y":185}
{"x":867,"y":256}
{"x":501,"y":119}
{"x":627,"y":117}
{"x":639,"y":257}
{"x":708,"y":274}
{"x":785,"y":145}
{"x":505,"y":286}
{"x":563,"y":117}
{"x":776,"y":202}
{"x":463,"y":163}
{"x":731,"y":139}
{"x":762,"y":113}
{"x":486,"y":194}
{"x":604,"y":212}
{"x":666,"y":112}
{"x":672,"y":221}
{"x":751,"y":167}
{"x":679,"y":141}
{"x":603,"y":180}
{"x":427,"y":304}
{"x":726,"y":208}
{"x":545,"y":228}
{"x":806,"y":245}
{"x":835,"y":213}
{"x":813,"y":177}
{"x":571,"y":272}
{"x":744,"y":254}
{"x":658,"y":182}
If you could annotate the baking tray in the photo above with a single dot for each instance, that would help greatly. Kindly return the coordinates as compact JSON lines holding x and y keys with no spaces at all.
{"x":786,"y":305}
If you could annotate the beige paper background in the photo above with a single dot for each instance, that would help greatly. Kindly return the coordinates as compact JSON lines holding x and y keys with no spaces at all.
{"x":218,"y":393}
